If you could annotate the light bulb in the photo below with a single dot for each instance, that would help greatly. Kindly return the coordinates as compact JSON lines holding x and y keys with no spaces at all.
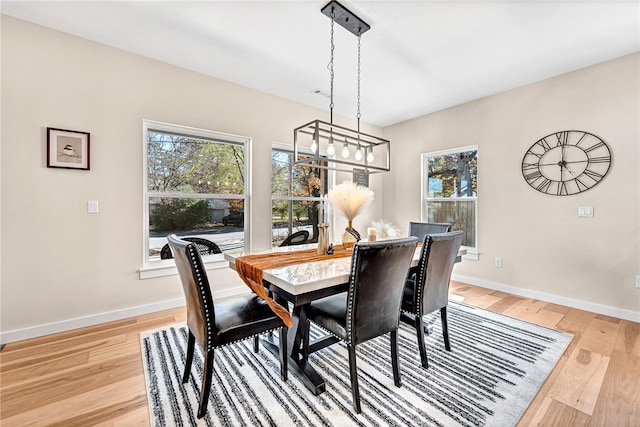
{"x":314,"y":146}
{"x":358,"y":155}
{"x":370,"y":157}
{"x":331,"y":149}
{"x":345,"y":151}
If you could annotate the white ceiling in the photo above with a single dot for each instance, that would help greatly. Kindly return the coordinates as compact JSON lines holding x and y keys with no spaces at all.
{"x":418,"y":57}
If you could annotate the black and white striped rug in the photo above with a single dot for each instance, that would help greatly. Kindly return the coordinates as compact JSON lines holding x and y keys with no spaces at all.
{"x":495,"y":368}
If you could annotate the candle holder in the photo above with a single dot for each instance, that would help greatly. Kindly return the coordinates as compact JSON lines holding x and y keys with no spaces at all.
{"x":372,"y":234}
{"x":323,"y":237}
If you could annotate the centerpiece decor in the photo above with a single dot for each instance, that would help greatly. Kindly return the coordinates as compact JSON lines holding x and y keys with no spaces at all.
{"x":350,"y":199}
{"x":385,"y":230}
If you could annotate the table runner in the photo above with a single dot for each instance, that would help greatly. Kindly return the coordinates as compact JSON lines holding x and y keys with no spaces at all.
{"x":250,"y":268}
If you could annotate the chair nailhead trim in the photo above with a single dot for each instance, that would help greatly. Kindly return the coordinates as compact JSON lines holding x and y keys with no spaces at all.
{"x":351,"y":295}
{"x":201,"y":287}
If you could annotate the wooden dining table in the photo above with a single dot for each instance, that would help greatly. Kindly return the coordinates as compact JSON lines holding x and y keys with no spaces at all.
{"x":296,"y":285}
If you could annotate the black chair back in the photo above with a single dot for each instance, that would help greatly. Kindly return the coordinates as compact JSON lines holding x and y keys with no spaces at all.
{"x":421,"y":229}
{"x":297,"y":238}
{"x":205,"y":246}
{"x":378,"y":273}
{"x":438,"y":255}
{"x":193,"y":276}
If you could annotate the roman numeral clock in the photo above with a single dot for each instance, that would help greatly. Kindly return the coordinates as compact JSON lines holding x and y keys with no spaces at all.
{"x":567,"y":162}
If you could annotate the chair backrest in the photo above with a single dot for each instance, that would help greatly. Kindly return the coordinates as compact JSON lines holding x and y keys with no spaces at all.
{"x":376,"y":281}
{"x":206,"y":247}
{"x":421,"y":229}
{"x":437,"y":257}
{"x":195,"y":284}
{"x":297,"y":238}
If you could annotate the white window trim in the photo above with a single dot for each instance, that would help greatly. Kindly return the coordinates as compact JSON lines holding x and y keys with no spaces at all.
{"x":167,"y":267}
{"x":151,"y":269}
{"x":472,"y":253}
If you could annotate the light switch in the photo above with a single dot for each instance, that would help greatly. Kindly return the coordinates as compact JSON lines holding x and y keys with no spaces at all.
{"x":586,"y":212}
{"x":92,"y":206}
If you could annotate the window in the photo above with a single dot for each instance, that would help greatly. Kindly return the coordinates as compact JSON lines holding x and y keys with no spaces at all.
{"x":450,"y":190}
{"x":195,"y":186}
{"x":296,"y":192}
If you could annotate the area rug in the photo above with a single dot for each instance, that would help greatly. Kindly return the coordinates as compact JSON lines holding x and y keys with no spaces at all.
{"x":496,"y":367}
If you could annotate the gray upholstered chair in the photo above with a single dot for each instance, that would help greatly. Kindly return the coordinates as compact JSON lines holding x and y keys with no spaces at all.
{"x":429,"y":291}
{"x":216,"y":324}
{"x":371,"y":306}
{"x":421,"y":229}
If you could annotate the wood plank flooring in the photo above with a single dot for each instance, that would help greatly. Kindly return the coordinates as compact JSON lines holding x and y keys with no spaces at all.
{"x":93,"y":376}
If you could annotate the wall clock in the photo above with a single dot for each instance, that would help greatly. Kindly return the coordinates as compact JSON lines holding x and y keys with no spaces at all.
{"x":566,"y":162}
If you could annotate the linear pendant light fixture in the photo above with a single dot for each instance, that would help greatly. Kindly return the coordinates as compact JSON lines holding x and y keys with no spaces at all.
{"x":328,"y":145}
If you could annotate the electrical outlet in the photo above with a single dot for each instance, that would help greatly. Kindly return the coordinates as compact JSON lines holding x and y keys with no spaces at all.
{"x":498,"y":262}
{"x":638,"y":281}
{"x":586,"y":211}
{"x":92,"y":206}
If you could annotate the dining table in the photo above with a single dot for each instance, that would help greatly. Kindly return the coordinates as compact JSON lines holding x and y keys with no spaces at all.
{"x":293,"y":286}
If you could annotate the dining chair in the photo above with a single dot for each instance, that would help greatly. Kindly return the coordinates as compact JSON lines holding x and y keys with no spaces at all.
{"x":370,"y":307}
{"x":297,"y":238}
{"x":429,"y":290}
{"x":421,"y":229}
{"x":218,"y":323}
{"x":206,"y":247}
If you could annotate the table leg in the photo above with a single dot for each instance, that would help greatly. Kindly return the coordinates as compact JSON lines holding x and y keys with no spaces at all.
{"x":309,"y":376}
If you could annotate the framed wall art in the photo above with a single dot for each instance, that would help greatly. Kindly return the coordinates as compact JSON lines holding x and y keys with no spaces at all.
{"x":68,"y":149}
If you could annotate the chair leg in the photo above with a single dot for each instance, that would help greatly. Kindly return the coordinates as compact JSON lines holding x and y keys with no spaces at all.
{"x":394,"y":358}
{"x":353,"y":373}
{"x":206,"y":383}
{"x":187,"y":363}
{"x":284,"y":358}
{"x":445,"y":328}
{"x":421,"y":345}
{"x":256,"y":344}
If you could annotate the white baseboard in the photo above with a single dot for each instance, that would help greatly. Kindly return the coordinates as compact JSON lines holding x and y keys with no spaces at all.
{"x":81,"y":322}
{"x":633,"y":316}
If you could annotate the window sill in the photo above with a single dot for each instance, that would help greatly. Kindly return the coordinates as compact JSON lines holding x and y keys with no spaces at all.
{"x":471,"y":254}
{"x":168,"y":267}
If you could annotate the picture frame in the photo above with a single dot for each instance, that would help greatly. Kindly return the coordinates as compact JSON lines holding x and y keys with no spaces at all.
{"x":68,"y":149}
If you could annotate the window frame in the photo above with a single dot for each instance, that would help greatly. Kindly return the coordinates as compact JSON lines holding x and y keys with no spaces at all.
{"x":330,"y":180}
{"x":472,"y":252}
{"x":155,"y":268}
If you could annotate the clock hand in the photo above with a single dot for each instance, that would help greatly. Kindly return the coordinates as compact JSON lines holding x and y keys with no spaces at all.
{"x":565,"y":163}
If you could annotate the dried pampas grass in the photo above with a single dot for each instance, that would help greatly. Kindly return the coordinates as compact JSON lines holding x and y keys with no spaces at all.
{"x":349,"y":199}
{"x":386,"y":230}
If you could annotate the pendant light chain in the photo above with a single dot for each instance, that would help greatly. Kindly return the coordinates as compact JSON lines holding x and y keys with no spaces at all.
{"x":330,"y":67}
{"x":358,"y":115}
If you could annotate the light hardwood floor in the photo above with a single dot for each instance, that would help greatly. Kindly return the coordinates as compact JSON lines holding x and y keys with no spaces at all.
{"x":93,"y":376}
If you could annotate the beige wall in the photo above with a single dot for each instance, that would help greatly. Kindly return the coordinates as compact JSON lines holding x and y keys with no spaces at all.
{"x":61,"y":264}
{"x":62,"y":267}
{"x":546,"y":248}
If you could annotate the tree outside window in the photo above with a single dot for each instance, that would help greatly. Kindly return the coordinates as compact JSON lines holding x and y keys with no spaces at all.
{"x":450,"y":190}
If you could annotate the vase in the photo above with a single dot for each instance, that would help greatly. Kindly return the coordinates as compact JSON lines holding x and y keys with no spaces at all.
{"x":350,"y":237}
